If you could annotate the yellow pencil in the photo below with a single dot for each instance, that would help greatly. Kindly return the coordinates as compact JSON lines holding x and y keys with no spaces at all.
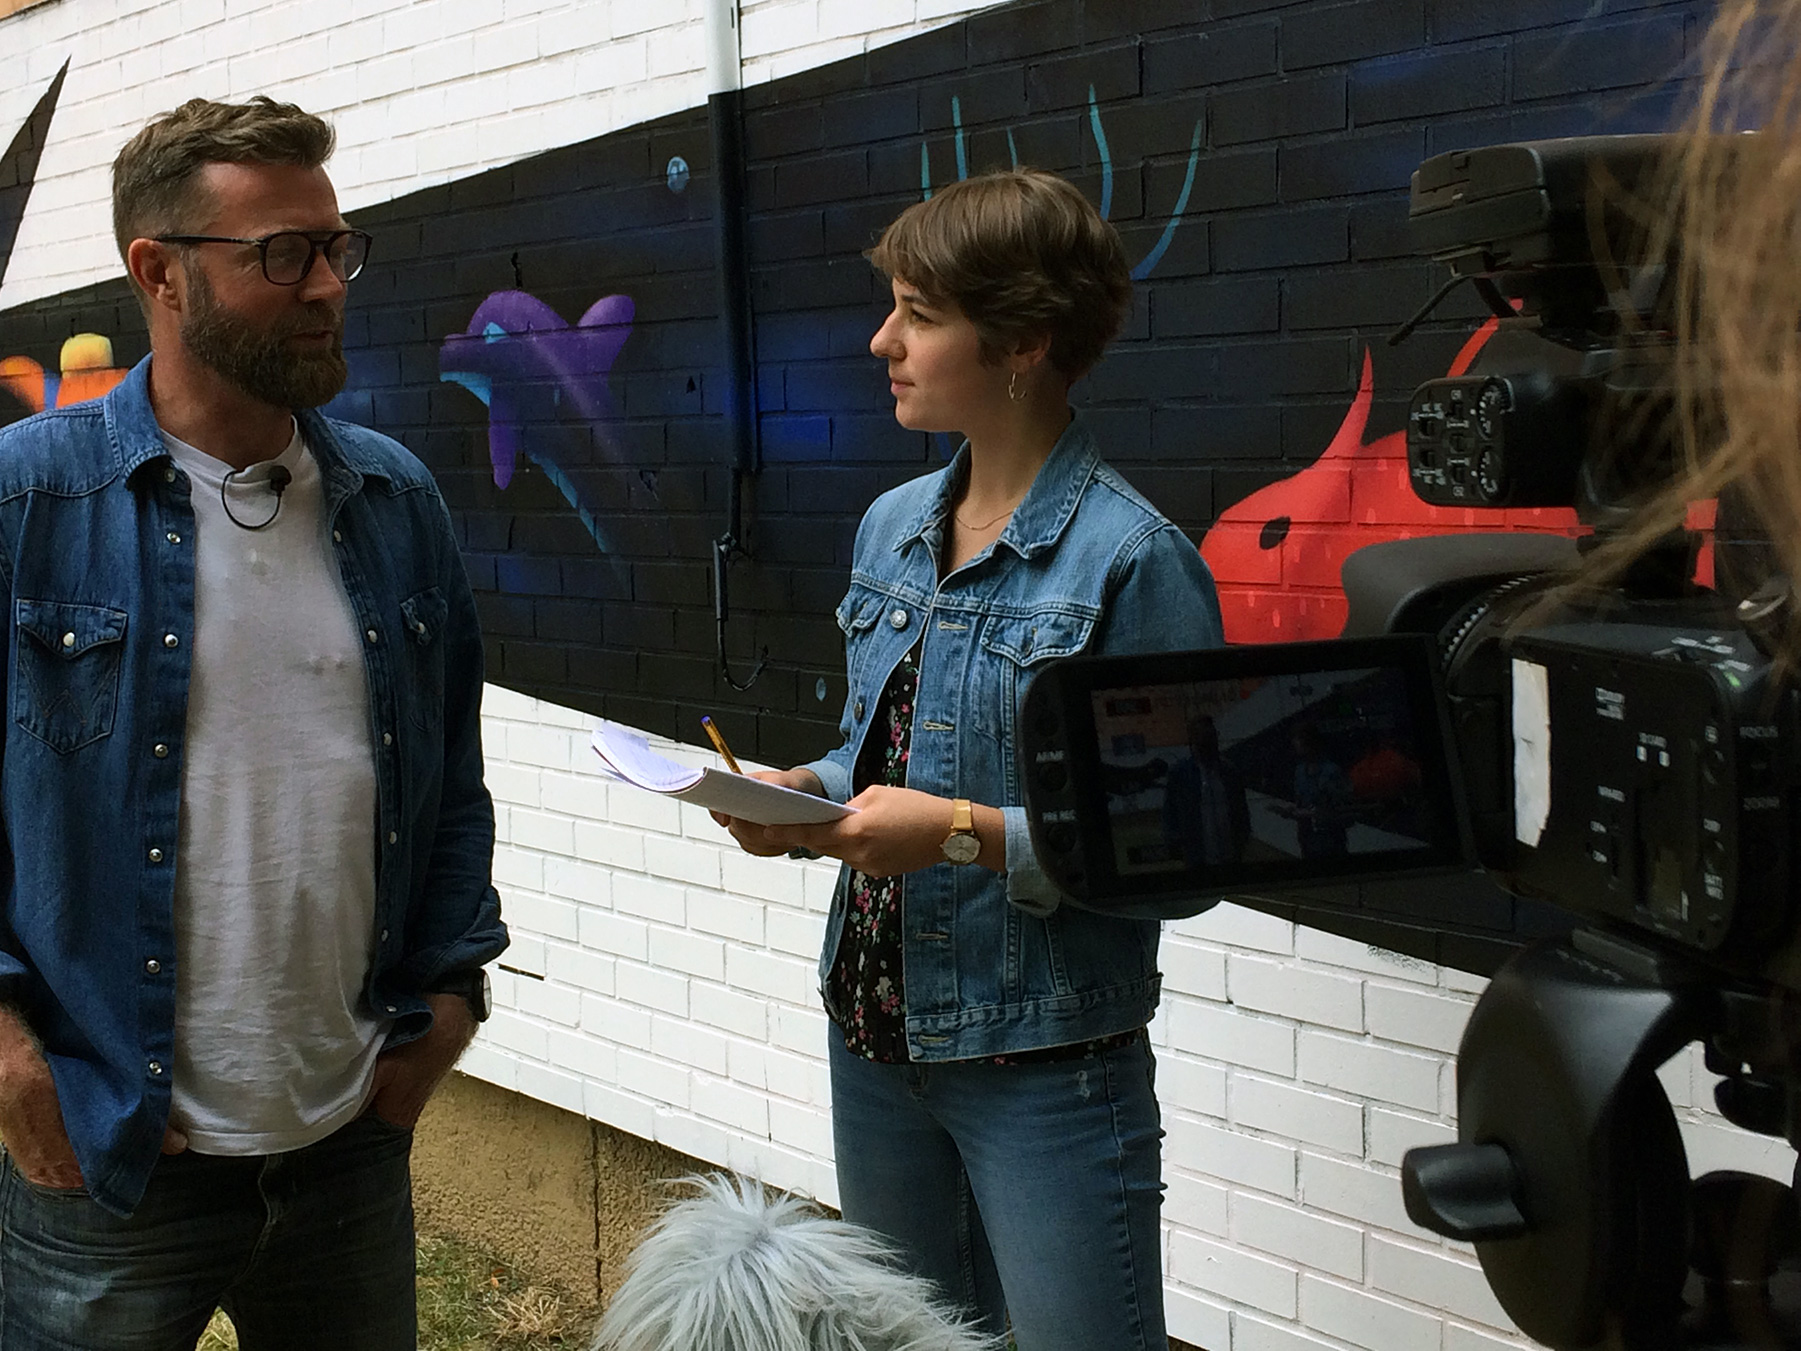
{"x":719,"y":745}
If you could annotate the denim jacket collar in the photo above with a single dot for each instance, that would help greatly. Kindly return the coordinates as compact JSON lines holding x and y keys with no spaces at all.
{"x":1042,"y":515}
{"x":136,"y":437}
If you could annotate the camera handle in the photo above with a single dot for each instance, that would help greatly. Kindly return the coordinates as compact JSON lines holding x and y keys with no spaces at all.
{"x":1570,"y":1175}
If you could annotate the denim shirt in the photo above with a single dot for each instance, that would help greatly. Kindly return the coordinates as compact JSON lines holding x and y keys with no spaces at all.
{"x":992,"y":962}
{"x":97,"y":565}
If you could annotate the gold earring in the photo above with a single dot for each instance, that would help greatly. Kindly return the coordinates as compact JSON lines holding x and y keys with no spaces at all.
{"x":1014,"y":392}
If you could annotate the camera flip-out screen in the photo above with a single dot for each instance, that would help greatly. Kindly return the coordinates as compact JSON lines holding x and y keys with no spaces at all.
{"x":1253,"y":767}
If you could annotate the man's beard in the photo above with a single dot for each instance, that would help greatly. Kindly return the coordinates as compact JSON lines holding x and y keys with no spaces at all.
{"x":257,"y":360}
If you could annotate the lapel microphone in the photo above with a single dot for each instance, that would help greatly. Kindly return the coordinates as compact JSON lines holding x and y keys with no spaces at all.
{"x":279,"y":479}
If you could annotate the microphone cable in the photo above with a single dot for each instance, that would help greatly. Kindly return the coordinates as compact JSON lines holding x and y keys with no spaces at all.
{"x":279,"y":479}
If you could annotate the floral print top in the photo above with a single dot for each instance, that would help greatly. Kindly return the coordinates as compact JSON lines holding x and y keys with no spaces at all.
{"x":866,"y":987}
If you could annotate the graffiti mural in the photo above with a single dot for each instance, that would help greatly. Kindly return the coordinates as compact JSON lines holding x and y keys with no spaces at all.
{"x":546,"y":335}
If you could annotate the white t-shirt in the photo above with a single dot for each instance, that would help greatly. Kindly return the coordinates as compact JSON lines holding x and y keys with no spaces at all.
{"x":275,"y":873}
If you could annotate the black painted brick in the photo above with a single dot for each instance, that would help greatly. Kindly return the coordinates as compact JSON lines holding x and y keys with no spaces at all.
{"x":784,"y":129}
{"x":519,"y":575}
{"x":837,"y":386}
{"x":1458,"y":20}
{"x":1189,"y":253}
{"x":1358,"y":163}
{"x":678,"y":677}
{"x":1223,"y":181}
{"x":527,"y":664}
{"x":592,"y":669}
{"x":678,"y":583}
{"x":1307,"y":429}
{"x":1294,"y":238}
{"x":1018,"y":32}
{"x":1199,"y":60}
{"x":786,"y":439}
{"x":992,"y":96}
{"x":1428,"y":85}
{"x":1206,"y":432}
{"x":812,"y":284}
{"x":1290,"y":107}
{"x":1183,"y":493}
{"x":877,"y":115}
{"x":1356,"y":297}
{"x":792,"y":234}
{"x":1112,"y":73}
{"x":933,"y":53}
{"x":1598,"y":57}
{"x":1148,"y":127}
{"x":822,"y":178}
{"x":566,"y":621}
{"x":1128,"y":18}
{"x":604,"y":578}
{"x":851,"y":227}
{"x":1216,"y":307}
{"x":1379,"y":230}
{"x":874,"y":436}
{"x":1319,"y":36}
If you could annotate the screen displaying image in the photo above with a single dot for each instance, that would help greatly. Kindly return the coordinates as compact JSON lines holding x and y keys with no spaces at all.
{"x":1266,"y":769}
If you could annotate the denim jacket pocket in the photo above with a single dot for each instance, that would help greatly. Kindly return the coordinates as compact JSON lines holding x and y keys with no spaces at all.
{"x":425,"y":613}
{"x":66,"y":679}
{"x":1013,"y":647}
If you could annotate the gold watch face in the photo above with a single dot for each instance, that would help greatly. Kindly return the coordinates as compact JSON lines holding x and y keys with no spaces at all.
{"x":961,"y":848}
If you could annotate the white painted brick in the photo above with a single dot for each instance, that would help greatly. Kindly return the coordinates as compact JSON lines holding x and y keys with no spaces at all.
{"x":798,"y":935}
{"x":1222,"y":1032}
{"x":1369,"y":1070}
{"x":1266,"y":1165}
{"x":616,"y":935}
{"x":555,"y":1087}
{"x":1289,"y":1232}
{"x":587,"y":1057}
{"x":584,"y":796}
{"x":695,"y":954}
{"x":656,"y":1079}
{"x":821,"y":884}
{"x":1197,"y":1203}
{"x":769,"y":879}
{"x":1678,"y":1077}
{"x":1197,"y":1321}
{"x":728,"y":916}
{"x":785,"y":1075}
{"x":1462,"y":982}
{"x":616,"y":1020}
{"x":1433,"y":1277}
{"x":1300,"y":1114}
{"x":680,"y":1041}
{"x":517,"y":868}
{"x":731,"y":1104}
{"x":741,"y":1014}
{"x":1234,"y":1273}
{"x":645,"y":811}
{"x":1295,"y":991}
{"x":513,"y":783}
{"x":683,"y":860}
{"x":1364,"y":1319}
{"x":571,"y":880}
{"x":544,"y":747}
{"x":650,"y":898}
{"x":1712,"y":1145}
{"x":1392,"y":1134}
{"x":514,"y":1033}
{"x":806,"y":1128}
{"x":625,"y":1111}
{"x":1356,"y":1191}
{"x":553,"y":1003}
{"x":527,"y":952}
{"x":1193,"y":1085}
{"x":1416,"y":1017}
{"x":489,"y":1064}
{"x":703,"y":1140}
{"x":610,"y":845}
{"x":799,"y":1029}
{"x":539,"y":914}
{"x":1460,"y":1338}
{"x":1192,"y":968}
{"x":1319,"y":946}
{"x":1239,"y":927}
{"x":532,"y":829}
{"x":787,"y":978}
{"x":1254,"y":1334}
{"x":654,"y":989}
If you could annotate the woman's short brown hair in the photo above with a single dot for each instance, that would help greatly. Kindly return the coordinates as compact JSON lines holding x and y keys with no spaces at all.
{"x":1023,"y":254}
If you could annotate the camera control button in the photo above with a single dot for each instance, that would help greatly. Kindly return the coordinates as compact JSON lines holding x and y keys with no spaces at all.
{"x":1054,"y":778}
{"x":1061,"y":838}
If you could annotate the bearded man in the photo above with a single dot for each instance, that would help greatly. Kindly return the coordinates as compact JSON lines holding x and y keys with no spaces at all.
{"x":245,"y":845}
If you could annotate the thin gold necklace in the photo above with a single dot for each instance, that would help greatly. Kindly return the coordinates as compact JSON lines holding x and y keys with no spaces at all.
{"x":967,"y":525}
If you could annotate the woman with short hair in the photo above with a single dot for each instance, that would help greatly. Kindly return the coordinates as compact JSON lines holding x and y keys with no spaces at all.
{"x":993,"y":1107}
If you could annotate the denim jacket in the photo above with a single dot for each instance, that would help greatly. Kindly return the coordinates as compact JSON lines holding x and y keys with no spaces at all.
{"x":991,"y":962}
{"x":97,"y":566}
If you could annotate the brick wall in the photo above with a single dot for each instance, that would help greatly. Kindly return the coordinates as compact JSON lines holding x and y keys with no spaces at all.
{"x":659,"y":981}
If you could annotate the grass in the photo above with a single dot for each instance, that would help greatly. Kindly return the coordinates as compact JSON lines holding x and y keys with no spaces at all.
{"x":468,"y":1301}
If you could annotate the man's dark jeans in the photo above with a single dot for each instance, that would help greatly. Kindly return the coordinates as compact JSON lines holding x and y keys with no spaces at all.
{"x":304,"y":1250}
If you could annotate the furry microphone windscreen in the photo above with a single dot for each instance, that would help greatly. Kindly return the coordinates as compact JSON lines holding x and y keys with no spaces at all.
{"x":737,"y":1269}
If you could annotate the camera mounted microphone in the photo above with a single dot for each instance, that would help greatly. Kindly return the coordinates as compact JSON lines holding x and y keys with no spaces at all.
{"x":279,"y":479}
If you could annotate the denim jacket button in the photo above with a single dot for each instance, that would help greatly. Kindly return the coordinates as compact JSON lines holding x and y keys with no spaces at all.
{"x":156,"y":855}
{"x":69,"y":639}
{"x":173,"y":537}
{"x":153,"y":966}
{"x":387,"y":738}
{"x":898,"y":619}
{"x":859,"y":710}
{"x":160,"y":750}
{"x":170,"y":640}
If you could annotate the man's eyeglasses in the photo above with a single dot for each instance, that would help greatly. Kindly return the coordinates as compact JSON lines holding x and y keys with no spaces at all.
{"x":288,"y":254}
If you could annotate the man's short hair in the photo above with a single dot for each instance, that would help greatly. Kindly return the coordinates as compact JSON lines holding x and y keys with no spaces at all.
{"x":1023,"y":254}
{"x":156,"y":177}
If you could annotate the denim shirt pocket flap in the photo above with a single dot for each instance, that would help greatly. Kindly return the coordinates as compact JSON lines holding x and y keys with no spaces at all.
{"x":859,"y":610}
{"x":425,"y":614}
{"x":69,"y":630}
{"x":1029,"y":639}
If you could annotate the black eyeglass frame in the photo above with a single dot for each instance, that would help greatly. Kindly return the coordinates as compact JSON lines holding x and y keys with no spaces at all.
{"x":319,"y":241}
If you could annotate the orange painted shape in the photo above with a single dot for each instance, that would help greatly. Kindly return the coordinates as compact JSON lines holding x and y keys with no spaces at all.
{"x":24,"y":378}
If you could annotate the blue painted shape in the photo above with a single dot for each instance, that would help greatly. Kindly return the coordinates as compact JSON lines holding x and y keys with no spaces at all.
{"x":1161,"y":247}
{"x":1012,"y":148}
{"x":962,"y":149}
{"x":561,"y":482}
{"x":1100,"y":141}
{"x":925,"y":170}
{"x":479,"y":385}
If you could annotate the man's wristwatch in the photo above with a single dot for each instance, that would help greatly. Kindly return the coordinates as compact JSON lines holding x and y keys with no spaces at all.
{"x":473,"y":986}
{"x":963,"y":844}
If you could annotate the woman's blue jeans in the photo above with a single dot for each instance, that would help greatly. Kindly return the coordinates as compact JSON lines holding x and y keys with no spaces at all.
{"x":1032,"y":1190}
{"x":305,"y":1250}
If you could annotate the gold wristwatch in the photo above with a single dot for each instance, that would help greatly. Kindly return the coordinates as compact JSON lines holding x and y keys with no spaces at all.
{"x":963,"y":844}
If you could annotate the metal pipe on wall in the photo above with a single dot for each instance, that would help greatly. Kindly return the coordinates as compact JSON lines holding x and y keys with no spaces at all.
{"x":725,"y":115}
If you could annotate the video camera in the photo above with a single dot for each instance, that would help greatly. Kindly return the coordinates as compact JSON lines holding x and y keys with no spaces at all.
{"x":1626,"y":754}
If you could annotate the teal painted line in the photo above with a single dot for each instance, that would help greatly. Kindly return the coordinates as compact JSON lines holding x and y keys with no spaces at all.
{"x":1012,"y":149}
{"x":1100,"y":141}
{"x":925,"y":170}
{"x":1161,"y":247}
{"x":562,"y":484}
{"x":962,"y":149}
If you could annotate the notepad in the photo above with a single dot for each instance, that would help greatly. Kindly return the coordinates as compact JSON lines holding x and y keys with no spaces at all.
{"x":626,"y":757}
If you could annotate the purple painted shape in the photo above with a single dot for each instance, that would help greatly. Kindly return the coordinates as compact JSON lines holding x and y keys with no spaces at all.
{"x":522,"y":359}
